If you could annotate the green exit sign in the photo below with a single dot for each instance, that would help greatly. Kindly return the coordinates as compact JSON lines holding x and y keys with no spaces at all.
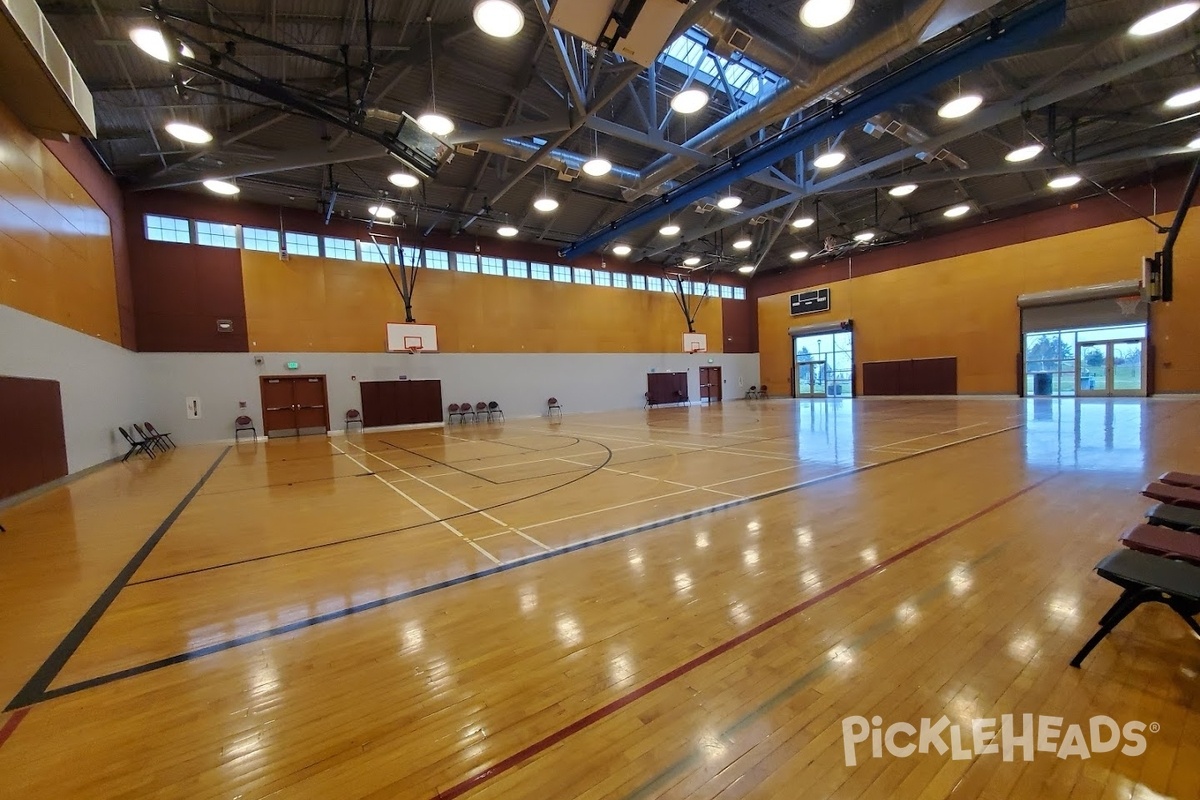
{"x":293,"y":365}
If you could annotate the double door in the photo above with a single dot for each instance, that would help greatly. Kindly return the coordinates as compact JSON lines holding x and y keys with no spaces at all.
{"x":1111,"y":369}
{"x":810,"y":378}
{"x":710,"y":384}
{"x":294,"y":405}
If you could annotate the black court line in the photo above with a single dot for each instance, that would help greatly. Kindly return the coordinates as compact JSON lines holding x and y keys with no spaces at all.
{"x":535,"y":558}
{"x":35,"y":690}
{"x":389,"y":531}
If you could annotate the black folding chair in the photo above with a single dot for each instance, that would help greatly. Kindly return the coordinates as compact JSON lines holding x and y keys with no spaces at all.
{"x":135,"y":446}
{"x":155,"y":441}
{"x":165,"y":436}
{"x":1144,"y":578}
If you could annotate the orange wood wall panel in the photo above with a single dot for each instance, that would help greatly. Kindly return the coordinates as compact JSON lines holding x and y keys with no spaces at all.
{"x":56,"y":254}
{"x":326,"y":305}
{"x":965,"y":306}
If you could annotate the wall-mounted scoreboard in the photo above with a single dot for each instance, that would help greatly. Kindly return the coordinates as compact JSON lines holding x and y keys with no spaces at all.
{"x":810,"y":302}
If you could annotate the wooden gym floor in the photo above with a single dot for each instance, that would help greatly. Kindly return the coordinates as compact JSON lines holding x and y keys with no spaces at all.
{"x":684,"y":602}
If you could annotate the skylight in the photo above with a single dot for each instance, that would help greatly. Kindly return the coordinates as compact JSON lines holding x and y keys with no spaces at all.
{"x":744,"y":77}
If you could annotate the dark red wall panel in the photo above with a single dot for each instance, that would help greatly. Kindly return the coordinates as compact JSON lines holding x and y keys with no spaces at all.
{"x":33,"y":449}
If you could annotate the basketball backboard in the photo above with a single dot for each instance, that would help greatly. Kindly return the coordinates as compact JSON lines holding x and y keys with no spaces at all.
{"x":695,"y":343}
{"x":410,"y":338}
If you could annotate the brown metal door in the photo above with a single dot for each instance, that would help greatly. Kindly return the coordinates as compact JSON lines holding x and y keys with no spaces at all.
{"x":714,"y":385}
{"x":279,"y":408}
{"x":312,"y":413}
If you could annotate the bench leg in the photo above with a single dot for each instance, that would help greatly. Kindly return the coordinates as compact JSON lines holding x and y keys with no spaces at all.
{"x":1125,"y":604}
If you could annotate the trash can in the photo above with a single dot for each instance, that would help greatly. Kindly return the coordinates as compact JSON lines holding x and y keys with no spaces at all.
{"x":1043,"y":384}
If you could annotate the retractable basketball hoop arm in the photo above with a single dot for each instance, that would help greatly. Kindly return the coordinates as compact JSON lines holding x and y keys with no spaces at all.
{"x":350,"y":116}
{"x":689,"y":313}
{"x":1163,"y":267}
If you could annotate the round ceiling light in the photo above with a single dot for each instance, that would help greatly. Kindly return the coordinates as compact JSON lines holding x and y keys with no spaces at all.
{"x":691,"y":261}
{"x":670,"y":229}
{"x":689,"y":101}
{"x":437,"y":124}
{"x":742,"y":243}
{"x":597,"y":167}
{"x":903,"y":190}
{"x":499,"y":18}
{"x":217,"y":186}
{"x":729,"y":202}
{"x":746,"y":269}
{"x":1194,"y":144}
{"x":798,"y":255}
{"x":864,"y":236}
{"x":545,"y":204}
{"x":960,"y":106}
{"x":829,"y":160}
{"x":186,"y":132}
{"x":622,"y":249}
{"x":1024,"y":152}
{"x":1064,"y":181}
{"x":803,"y":222}
{"x":953,"y":212}
{"x":151,"y":42}
{"x":1186,"y":98}
{"x":507,"y":231}
{"x":823,"y":13}
{"x":1163,"y":19}
{"x":382,"y":212}
{"x":405,"y":180}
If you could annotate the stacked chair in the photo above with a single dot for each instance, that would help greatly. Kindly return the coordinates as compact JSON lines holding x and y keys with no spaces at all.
{"x":1161,"y":559}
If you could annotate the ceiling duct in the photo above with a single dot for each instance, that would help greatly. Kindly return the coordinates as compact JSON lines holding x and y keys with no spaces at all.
{"x":805,"y":83}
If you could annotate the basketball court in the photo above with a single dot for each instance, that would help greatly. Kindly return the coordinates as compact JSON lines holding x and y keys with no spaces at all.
{"x":682,"y":602}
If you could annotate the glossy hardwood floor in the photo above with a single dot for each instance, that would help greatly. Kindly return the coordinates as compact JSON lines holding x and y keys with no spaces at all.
{"x":685,"y":602}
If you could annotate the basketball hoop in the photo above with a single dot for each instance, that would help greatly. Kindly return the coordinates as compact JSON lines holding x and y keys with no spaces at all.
{"x":415,"y":351}
{"x":1129,"y":304}
{"x":696,"y":350}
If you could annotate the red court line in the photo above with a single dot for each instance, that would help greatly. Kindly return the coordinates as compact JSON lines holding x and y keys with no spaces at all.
{"x":551,"y":739}
{"x":11,"y":724}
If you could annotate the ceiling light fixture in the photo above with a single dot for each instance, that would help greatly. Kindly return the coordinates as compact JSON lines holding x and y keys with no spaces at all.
{"x":1194,"y":144}
{"x":798,"y":255}
{"x":545,"y":204}
{"x":1163,"y":19}
{"x":499,"y":18}
{"x":507,"y":231}
{"x":823,"y":13}
{"x":903,"y":190}
{"x":1185,"y":98}
{"x":1024,"y":153}
{"x":960,"y":106}
{"x":382,"y":212}
{"x":622,"y":249}
{"x":1064,"y":181}
{"x":956,"y":211}
{"x":431,"y":121}
{"x":864,"y":236}
{"x":597,"y":167}
{"x":829,"y":160}
{"x":729,"y":202}
{"x":742,"y":243}
{"x":218,"y":186}
{"x":746,"y":269}
{"x":803,"y":222}
{"x":151,"y":42}
{"x":689,"y":101}
{"x":691,"y":261}
{"x":186,"y":132}
{"x":405,"y":180}
{"x":670,"y":229}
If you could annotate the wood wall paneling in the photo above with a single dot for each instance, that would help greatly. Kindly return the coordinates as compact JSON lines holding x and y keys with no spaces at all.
{"x":400,"y":402}
{"x":56,"y":252}
{"x":33,"y":449}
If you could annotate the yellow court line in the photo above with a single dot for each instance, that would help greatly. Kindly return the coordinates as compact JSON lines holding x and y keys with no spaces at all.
{"x":432,"y":516}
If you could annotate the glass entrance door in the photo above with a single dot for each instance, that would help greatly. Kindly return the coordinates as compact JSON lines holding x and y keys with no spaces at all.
{"x":1111,"y":369}
{"x":810,"y":378}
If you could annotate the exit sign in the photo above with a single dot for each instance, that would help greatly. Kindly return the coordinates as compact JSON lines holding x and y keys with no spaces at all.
{"x":293,"y":365}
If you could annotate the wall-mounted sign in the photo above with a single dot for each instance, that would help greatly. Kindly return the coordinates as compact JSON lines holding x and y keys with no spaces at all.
{"x":810,"y":302}
{"x":293,"y":365}
{"x":193,"y":407}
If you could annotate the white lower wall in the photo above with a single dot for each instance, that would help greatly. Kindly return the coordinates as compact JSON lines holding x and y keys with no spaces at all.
{"x":520,"y":382}
{"x":103,"y":386}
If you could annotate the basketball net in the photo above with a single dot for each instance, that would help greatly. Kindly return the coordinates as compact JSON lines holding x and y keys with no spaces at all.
{"x":415,"y":351}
